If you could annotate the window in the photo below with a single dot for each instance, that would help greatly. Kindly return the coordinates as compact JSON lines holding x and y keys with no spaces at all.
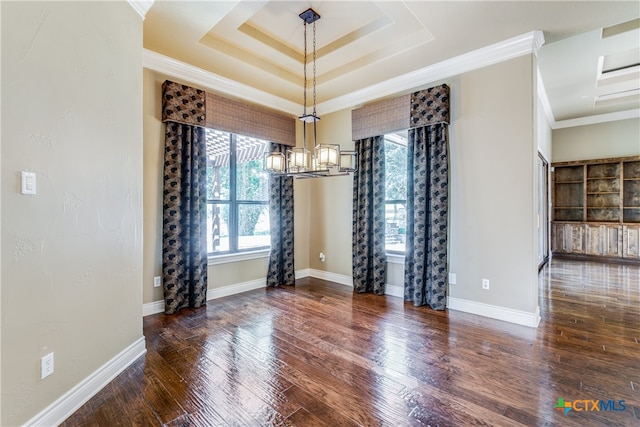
{"x":237,"y":194}
{"x":395,"y":157}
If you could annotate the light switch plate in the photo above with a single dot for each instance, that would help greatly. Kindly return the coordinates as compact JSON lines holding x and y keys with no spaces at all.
{"x":27,"y":182}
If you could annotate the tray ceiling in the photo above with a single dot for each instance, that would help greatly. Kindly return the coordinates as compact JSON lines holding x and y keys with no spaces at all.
{"x":363,"y":43}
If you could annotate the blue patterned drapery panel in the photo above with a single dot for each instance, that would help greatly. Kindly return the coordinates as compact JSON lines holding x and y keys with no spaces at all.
{"x":368,"y":251}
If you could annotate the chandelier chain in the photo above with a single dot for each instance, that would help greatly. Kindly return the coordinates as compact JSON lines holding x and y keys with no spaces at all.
{"x":314,"y":68}
{"x":305,"y":70}
{"x":325,"y":159}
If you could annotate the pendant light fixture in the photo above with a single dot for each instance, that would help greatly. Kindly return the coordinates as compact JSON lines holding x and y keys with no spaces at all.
{"x":325,"y":159}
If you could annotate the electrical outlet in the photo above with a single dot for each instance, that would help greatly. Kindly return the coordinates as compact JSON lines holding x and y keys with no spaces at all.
{"x":485,"y":283}
{"x":157,"y":282}
{"x":46,"y":366}
{"x":452,"y":278}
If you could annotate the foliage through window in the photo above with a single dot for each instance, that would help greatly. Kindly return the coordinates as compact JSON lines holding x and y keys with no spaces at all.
{"x":395,"y":156}
{"x":237,"y":194}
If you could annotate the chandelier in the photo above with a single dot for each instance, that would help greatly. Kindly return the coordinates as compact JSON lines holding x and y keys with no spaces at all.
{"x":325,"y":159}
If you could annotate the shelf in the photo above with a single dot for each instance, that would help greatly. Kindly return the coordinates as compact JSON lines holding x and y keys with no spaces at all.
{"x":592,"y":191}
{"x":631,"y":170}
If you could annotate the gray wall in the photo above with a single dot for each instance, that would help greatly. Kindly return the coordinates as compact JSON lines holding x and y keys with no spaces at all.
{"x":219,"y":275}
{"x":600,"y":141}
{"x":72,"y":254}
{"x":493,"y":156}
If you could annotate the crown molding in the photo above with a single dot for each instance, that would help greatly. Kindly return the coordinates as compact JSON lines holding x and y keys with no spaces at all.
{"x":524,"y":44}
{"x":206,"y":79}
{"x":600,"y":118}
{"x":141,"y":6}
{"x":508,"y":49}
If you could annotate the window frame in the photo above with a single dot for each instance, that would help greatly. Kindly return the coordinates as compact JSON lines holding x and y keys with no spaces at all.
{"x":234,"y":204}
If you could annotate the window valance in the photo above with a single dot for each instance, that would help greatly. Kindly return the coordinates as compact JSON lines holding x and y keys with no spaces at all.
{"x":423,"y":108}
{"x":188,"y":105}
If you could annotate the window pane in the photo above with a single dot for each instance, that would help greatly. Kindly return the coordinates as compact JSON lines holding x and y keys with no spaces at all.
{"x":395,"y":165}
{"x":253,"y":226}
{"x":252,"y":181}
{"x":218,"y":170}
{"x":217,"y":227}
{"x":395,"y":157}
{"x":395,"y":226}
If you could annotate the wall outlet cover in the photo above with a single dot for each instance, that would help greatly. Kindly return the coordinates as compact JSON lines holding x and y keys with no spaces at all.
{"x":46,"y":366}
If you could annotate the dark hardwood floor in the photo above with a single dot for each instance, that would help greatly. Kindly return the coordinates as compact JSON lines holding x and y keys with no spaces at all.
{"x":319,"y":355}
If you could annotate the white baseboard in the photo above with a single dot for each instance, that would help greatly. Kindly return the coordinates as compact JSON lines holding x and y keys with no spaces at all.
{"x":495,"y":312}
{"x":394,"y":290}
{"x":332,"y":277}
{"x":225,"y":291}
{"x":305,"y":272}
{"x":152,"y":308}
{"x":68,"y":403}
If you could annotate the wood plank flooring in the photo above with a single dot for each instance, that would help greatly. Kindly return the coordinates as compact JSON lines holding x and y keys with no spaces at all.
{"x":319,"y":355}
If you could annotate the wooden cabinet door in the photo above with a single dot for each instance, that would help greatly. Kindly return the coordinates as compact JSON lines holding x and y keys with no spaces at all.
{"x":557,"y":238}
{"x":603,"y":240}
{"x":594,"y":239}
{"x":575,"y":237}
{"x":567,"y":238}
{"x":612,"y":243}
{"x":631,"y":244}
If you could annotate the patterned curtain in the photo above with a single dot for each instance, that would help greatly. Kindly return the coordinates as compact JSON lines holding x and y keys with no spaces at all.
{"x":184,"y":238}
{"x":368,"y":254}
{"x":281,"y":269}
{"x":425,"y":269}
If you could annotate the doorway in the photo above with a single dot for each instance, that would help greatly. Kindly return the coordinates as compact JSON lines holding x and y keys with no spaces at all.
{"x":543,"y":211}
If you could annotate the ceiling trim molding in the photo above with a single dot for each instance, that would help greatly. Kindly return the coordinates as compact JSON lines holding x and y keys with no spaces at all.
{"x":141,"y":6}
{"x":508,"y":49}
{"x":524,"y":44}
{"x":514,"y":47}
{"x":600,"y":118}
{"x":164,"y":64}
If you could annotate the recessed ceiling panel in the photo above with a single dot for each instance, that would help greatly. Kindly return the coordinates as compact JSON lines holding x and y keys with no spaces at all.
{"x":349,"y":36}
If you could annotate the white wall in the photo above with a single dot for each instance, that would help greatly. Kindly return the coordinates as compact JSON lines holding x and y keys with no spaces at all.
{"x":72,"y":254}
{"x":599,"y":141}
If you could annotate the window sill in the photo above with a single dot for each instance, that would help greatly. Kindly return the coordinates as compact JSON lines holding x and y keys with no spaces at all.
{"x":393,"y":258}
{"x":238,"y":256}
